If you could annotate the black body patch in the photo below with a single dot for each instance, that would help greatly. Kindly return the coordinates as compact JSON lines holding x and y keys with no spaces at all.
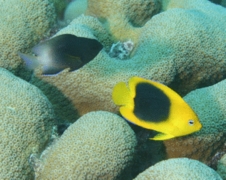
{"x":151,"y":104}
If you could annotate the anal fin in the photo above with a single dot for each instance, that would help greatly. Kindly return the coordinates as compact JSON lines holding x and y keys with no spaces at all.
{"x":162,"y":136}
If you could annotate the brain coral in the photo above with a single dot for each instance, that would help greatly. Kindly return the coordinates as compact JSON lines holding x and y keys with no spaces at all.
{"x":23,"y":24}
{"x":191,"y":4}
{"x":190,"y":48}
{"x":60,"y":6}
{"x":209,"y":104}
{"x":221,"y":167}
{"x":25,"y":126}
{"x":75,"y":9}
{"x":179,"y":169}
{"x":99,"y":145}
{"x":121,"y":17}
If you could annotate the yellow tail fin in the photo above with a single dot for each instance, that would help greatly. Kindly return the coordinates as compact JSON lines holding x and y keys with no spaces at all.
{"x":121,"y":94}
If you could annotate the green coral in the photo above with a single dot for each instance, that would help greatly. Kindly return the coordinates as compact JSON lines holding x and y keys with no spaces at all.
{"x":123,"y":16}
{"x":221,"y":167}
{"x":174,"y":47}
{"x":23,"y":24}
{"x":75,"y":9}
{"x":60,"y":6}
{"x":209,"y":104}
{"x":100,"y":145}
{"x":26,"y":123}
{"x":190,"y":4}
{"x":179,"y":169}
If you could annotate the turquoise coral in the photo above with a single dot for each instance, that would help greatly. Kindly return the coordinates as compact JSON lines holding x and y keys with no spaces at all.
{"x":178,"y":43}
{"x":100,"y":145}
{"x":221,"y":167}
{"x":23,"y":24}
{"x":75,"y":9}
{"x":26,"y":123}
{"x":190,"y":48}
{"x":209,"y":104}
{"x":179,"y":169}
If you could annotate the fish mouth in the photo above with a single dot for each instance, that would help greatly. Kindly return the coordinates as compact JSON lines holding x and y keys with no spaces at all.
{"x":30,"y":60}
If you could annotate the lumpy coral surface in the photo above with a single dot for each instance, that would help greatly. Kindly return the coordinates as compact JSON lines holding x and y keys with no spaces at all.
{"x":209,"y":104}
{"x":100,"y":145}
{"x":180,"y":43}
{"x":183,"y":48}
{"x":179,"y":169}
{"x":23,"y":24}
{"x":25,"y":125}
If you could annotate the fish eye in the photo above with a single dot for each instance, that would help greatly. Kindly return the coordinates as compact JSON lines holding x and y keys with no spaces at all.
{"x":191,"y":122}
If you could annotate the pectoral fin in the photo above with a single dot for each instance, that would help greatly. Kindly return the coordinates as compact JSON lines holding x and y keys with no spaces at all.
{"x":121,"y":94}
{"x":73,"y":62}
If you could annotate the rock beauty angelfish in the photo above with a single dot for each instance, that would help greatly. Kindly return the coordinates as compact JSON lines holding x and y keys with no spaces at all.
{"x":154,"y":106}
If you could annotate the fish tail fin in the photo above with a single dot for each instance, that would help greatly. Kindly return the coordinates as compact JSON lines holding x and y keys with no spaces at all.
{"x":121,"y":94}
{"x":30,"y":61}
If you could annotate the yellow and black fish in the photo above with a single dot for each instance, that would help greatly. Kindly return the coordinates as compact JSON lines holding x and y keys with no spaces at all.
{"x":154,"y":106}
{"x":60,"y":52}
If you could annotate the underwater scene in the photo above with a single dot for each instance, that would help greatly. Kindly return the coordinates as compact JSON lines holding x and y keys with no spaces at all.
{"x":113,"y":90}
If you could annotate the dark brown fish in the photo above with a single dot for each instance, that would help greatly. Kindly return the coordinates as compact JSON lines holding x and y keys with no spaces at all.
{"x":60,"y":52}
